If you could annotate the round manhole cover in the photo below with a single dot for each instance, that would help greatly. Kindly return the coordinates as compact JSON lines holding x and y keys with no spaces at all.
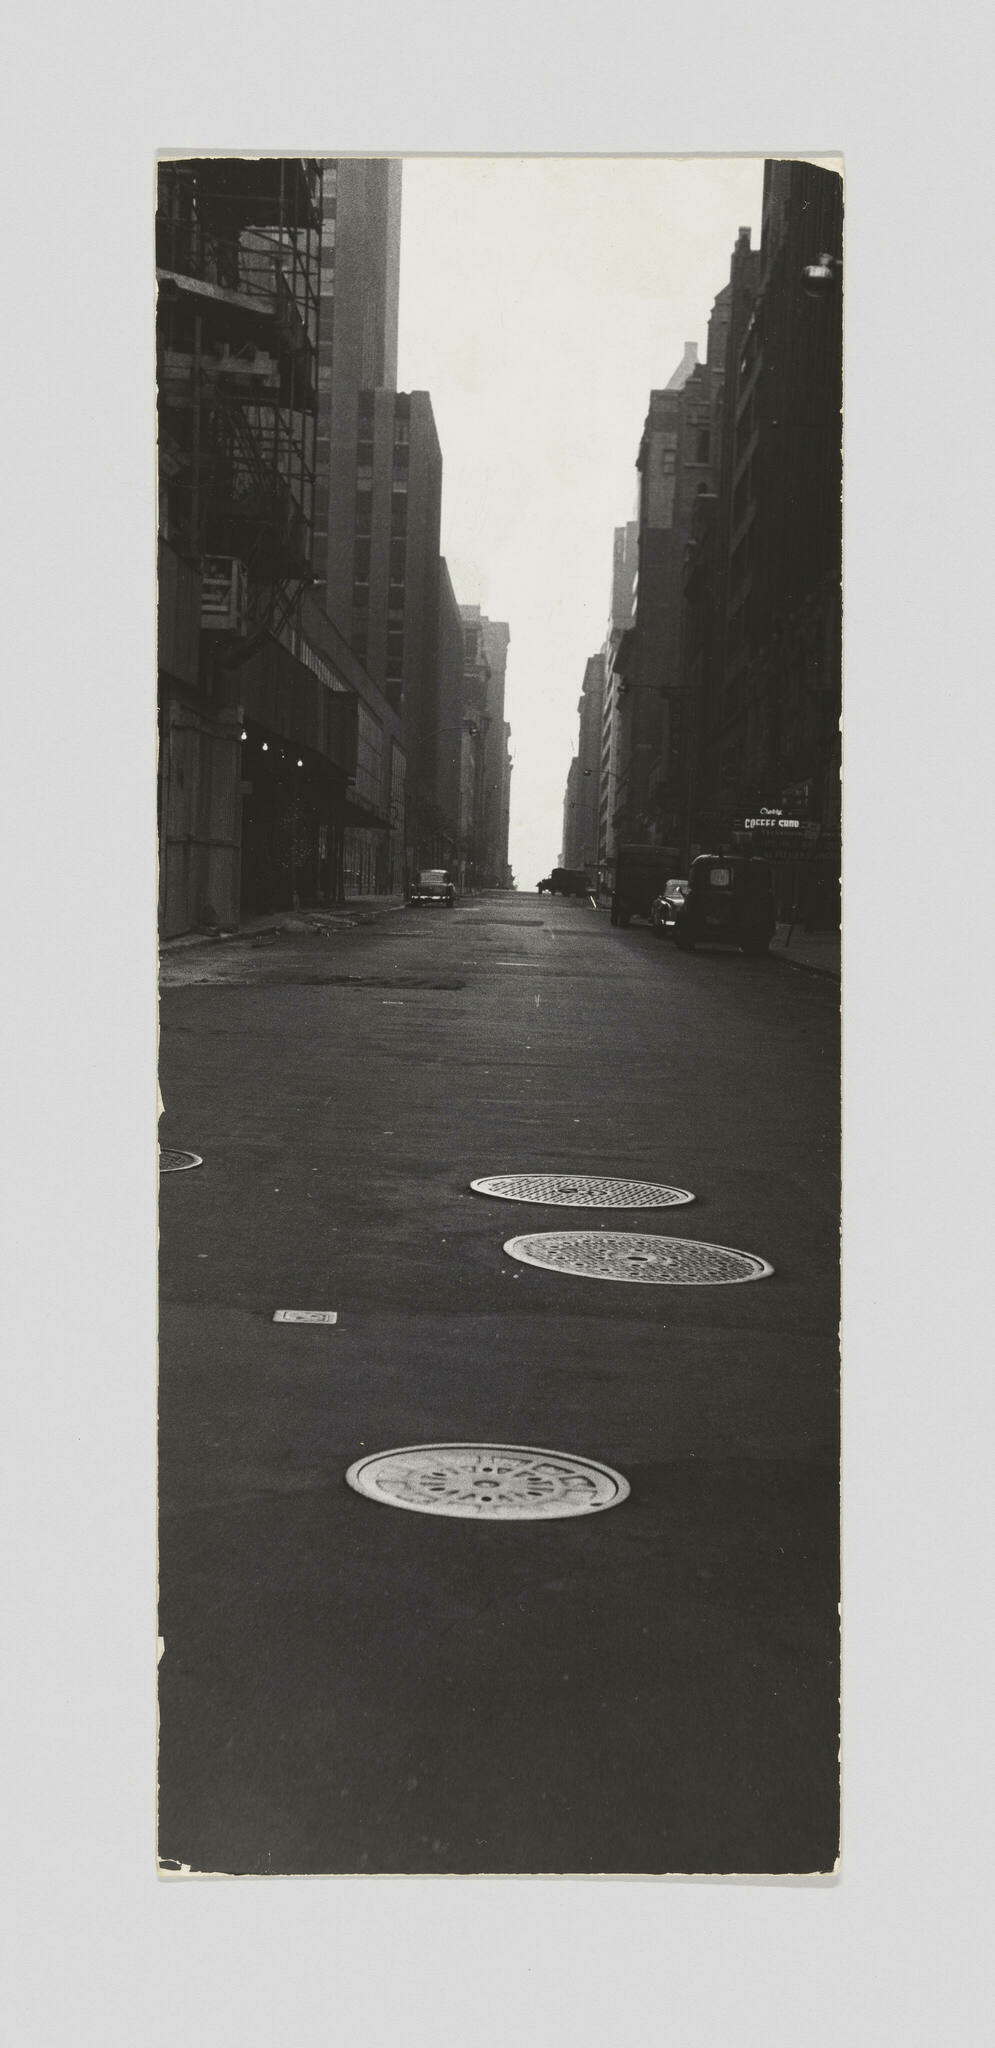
{"x":178,"y":1162}
{"x":488,"y":1482}
{"x":580,"y":1191}
{"x":632,"y":1255}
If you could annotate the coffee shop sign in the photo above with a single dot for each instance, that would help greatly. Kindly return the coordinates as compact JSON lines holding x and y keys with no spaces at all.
{"x":771,"y":820}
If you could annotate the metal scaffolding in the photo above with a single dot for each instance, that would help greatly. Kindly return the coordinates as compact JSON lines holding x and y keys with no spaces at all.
{"x":237,"y":257}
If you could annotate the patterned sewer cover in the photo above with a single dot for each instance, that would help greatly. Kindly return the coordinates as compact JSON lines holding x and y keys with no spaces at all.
{"x":488,"y":1482}
{"x":178,"y":1162}
{"x":580,"y":1191}
{"x":631,"y":1255}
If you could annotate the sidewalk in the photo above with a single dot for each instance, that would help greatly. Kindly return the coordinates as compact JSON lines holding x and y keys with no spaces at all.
{"x":813,"y":952}
{"x":358,"y":910}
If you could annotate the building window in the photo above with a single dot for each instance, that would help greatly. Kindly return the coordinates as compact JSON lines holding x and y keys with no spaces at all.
{"x":402,"y":433}
{"x":361,"y":561}
{"x":668,"y":462}
{"x":398,"y":557}
{"x":702,"y":445}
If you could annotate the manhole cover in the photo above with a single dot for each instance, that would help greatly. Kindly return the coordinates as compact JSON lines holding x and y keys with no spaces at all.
{"x":580,"y":1191}
{"x":488,"y":1482}
{"x":178,"y":1162}
{"x":632,"y":1255}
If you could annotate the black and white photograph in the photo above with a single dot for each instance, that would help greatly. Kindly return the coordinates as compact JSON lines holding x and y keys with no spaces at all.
{"x":498,"y":1428}
{"x":499,"y":813}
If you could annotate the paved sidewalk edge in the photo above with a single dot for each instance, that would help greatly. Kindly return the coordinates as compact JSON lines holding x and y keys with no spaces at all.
{"x":344,"y":916}
{"x":807,"y":967}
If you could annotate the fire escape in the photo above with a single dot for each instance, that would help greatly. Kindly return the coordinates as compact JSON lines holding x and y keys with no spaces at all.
{"x":237,"y":256}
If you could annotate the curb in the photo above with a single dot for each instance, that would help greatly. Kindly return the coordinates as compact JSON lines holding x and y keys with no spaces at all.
{"x":807,"y":967}
{"x":295,"y":923}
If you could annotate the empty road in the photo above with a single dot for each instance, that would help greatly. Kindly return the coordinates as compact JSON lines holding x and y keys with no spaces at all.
{"x":349,"y":1687}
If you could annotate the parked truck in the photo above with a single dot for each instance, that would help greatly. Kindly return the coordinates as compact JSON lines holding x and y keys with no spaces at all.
{"x":570,"y":882}
{"x":641,"y":874}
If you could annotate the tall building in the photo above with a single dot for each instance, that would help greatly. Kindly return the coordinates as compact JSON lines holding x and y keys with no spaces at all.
{"x":395,"y":501}
{"x":768,"y":684}
{"x":484,"y":786}
{"x":357,"y":357}
{"x":507,"y":879}
{"x":357,"y":346}
{"x":621,"y":614}
{"x":569,"y":808}
{"x":675,"y":465}
{"x":495,"y":791}
{"x":448,"y":739}
{"x":258,"y":751}
{"x":581,"y":806}
{"x":323,"y":733}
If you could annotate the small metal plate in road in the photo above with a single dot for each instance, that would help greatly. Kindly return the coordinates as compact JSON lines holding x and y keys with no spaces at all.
{"x":306,"y":1315}
{"x":488,"y":1482}
{"x":580,"y":1191}
{"x":178,"y":1162}
{"x":635,"y":1256}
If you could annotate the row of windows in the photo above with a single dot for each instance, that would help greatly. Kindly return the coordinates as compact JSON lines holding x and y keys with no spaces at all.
{"x":365,"y":438}
{"x":361,"y":630}
{"x":361,"y":559}
{"x":364,"y":515}
{"x":364,"y":483}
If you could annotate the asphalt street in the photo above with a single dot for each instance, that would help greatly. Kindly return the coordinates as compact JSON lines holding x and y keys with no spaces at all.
{"x":347,"y":1687}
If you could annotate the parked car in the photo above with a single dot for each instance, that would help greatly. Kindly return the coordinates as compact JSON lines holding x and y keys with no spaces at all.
{"x":640,"y":873}
{"x":730,"y":900}
{"x":545,"y":887}
{"x":664,"y":908}
{"x":433,"y":886}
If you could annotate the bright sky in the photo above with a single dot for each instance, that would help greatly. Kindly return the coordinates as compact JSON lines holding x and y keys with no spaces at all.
{"x":542,"y":299}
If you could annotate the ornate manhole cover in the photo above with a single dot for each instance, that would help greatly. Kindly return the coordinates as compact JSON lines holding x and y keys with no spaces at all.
{"x":580,"y":1191}
{"x":633,"y":1255}
{"x":488,"y":1482}
{"x":178,"y":1162}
